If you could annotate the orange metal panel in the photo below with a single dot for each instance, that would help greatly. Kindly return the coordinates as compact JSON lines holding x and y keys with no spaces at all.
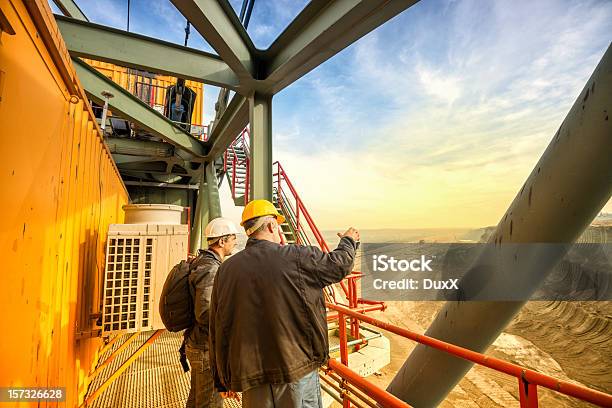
{"x":60,"y":190}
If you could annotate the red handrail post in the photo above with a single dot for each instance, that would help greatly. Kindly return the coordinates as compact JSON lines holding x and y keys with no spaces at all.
{"x":346,"y":403}
{"x":352,"y":286}
{"x":343,"y":341}
{"x":528,"y":394}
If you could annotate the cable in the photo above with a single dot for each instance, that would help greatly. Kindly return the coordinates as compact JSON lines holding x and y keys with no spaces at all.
{"x":245,"y":12}
{"x":248,"y":14}
{"x":243,"y":9}
{"x":187,"y":32}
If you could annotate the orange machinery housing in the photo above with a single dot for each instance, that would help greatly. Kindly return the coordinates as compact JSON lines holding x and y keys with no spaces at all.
{"x":61,"y":191}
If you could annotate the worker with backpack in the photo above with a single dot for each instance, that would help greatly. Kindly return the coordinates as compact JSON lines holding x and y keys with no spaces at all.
{"x":184,"y":304}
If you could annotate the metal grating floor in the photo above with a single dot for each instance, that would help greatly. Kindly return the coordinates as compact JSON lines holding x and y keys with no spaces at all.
{"x":154,"y":379}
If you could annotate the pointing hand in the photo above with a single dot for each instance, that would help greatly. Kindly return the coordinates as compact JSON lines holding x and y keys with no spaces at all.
{"x":351,"y":232}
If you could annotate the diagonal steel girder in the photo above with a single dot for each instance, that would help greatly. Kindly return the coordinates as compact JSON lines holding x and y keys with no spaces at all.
{"x":219,"y":26}
{"x":71,"y":9}
{"x":132,"y":108}
{"x":233,"y":120}
{"x":568,"y":186}
{"x":320,"y":31}
{"x":127,"y":49}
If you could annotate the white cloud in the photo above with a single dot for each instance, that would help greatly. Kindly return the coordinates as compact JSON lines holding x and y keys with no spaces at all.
{"x":434,"y":83}
{"x":466,"y":113}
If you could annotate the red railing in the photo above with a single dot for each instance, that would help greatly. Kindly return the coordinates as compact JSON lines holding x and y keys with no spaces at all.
{"x":295,"y":212}
{"x":528,"y":380}
{"x":304,"y":227}
{"x":295,"y":209}
{"x":352,"y":389}
{"x":350,"y":384}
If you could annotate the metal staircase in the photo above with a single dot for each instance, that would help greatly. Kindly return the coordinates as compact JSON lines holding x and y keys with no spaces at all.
{"x":236,"y":170}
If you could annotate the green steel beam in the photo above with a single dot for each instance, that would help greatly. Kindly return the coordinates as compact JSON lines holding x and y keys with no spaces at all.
{"x":128,"y":158}
{"x":201,"y":215}
{"x":154,"y":184}
{"x":133,"y":109}
{"x":147,"y":175}
{"x":143,"y":194}
{"x":120,"y":145}
{"x":234,"y":118}
{"x":154,"y":167}
{"x":220,"y":27}
{"x":260,"y":113}
{"x":320,"y":31}
{"x":70,"y":9}
{"x":220,"y":107}
{"x":136,"y":51}
{"x":214,"y":203}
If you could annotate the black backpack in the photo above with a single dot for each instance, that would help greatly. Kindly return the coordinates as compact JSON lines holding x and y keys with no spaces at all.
{"x":175,"y":302}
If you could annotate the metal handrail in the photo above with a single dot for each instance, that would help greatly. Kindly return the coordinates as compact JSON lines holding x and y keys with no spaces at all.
{"x":239,"y":143}
{"x":528,"y":379}
{"x":283,"y":201}
{"x":300,"y":209}
{"x":281,"y":180}
{"x":282,"y":175}
{"x":384,"y":398}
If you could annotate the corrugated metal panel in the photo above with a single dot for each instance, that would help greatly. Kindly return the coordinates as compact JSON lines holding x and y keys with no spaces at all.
{"x":61,"y":190}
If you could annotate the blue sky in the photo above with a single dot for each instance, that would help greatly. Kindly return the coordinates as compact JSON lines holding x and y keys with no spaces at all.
{"x":434,"y":119}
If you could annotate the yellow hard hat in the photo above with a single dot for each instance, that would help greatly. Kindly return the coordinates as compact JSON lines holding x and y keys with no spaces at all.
{"x":259,"y":208}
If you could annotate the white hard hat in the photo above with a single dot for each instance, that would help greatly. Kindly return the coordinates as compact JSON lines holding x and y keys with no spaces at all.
{"x":220,"y":227}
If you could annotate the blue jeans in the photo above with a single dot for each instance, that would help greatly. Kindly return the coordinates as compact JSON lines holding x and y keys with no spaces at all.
{"x":304,"y":393}
{"x":202,"y":393}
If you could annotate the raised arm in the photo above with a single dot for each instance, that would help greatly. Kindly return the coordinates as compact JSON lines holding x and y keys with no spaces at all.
{"x":331,"y":267}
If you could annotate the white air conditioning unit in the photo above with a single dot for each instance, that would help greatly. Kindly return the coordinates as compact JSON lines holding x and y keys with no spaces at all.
{"x":138,"y":259}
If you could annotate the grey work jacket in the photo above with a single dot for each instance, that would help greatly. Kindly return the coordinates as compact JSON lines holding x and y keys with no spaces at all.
{"x":203,"y":271}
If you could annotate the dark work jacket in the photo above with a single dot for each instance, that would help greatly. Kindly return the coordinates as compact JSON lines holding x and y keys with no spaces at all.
{"x":203,"y":271}
{"x":268,"y":323}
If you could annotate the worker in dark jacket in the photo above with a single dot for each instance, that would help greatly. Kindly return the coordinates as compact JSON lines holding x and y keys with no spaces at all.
{"x":221,"y":239}
{"x":268,"y":323}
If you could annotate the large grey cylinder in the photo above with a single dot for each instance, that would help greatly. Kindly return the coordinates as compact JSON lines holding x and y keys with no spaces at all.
{"x":568,"y":186}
